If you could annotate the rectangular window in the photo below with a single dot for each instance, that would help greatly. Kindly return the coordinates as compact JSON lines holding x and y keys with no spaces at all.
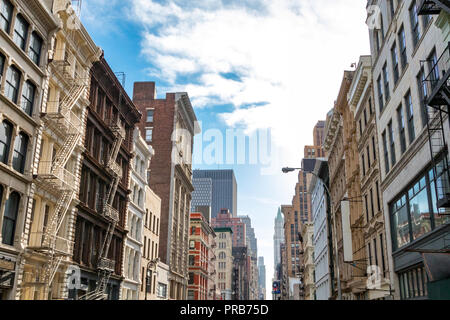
{"x":12,"y":84}
{"x":378,"y":196}
{"x":6,"y":10}
{"x":375,"y":251}
{"x":5,"y":141}
{"x":401,"y":129}
{"x":150,"y":115}
{"x":380,"y":93}
{"x":28,"y":93}
{"x":370,"y":106}
{"x":2,"y":64}
{"x":149,"y":135}
{"x":386,"y":82}
{"x":367,"y":207}
{"x":363,"y":162}
{"x":35,"y":48}
{"x":365,"y":118}
{"x":360,"y":128}
{"x":374,"y":149}
{"x":392,"y":9}
{"x":386,"y":153}
{"x":371,"y":202}
{"x":392,"y":143}
{"x":20,"y":31}
{"x":383,"y":266}
{"x":410,"y":117}
{"x":433,"y":68}
{"x":10,"y":218}
{"x":368,"y":157}
{"x":402,"y":44}
{"x":415,"y":28}
{"x":395,"y":63}
{"x":423,"y":94}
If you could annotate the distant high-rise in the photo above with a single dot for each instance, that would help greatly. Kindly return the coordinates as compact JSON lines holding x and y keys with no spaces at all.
{"x":262,"y":278}
{"x":252,"y":242}
{"x":278,"y":238}
{"x":223,"y":190}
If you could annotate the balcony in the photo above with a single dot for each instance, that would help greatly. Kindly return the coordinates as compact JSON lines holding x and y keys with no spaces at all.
{"x":436,"y":83}
{"x":56,"y":177}
{"x":433,"y":7}
{"x":114,"y":167}
{"x":62,"y":121}
{"x":40,"y":241}
{"x":106,"y":264}
{"x":110,"y":213}
{"x":116,"y":128}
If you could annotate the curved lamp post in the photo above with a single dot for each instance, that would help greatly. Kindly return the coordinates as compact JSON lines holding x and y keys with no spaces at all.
{"x":287,"y":170}
{"x":151,"y":264}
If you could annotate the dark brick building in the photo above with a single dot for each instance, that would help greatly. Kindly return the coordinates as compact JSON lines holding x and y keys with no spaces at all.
{"x":168,"y":125}
{"x":111,"y":120}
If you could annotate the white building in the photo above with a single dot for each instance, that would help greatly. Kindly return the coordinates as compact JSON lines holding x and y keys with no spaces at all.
{"x":320,"y":235}
{"x":407,"y":42}
{"x":136,"y":213}
{"x":278,"y":239}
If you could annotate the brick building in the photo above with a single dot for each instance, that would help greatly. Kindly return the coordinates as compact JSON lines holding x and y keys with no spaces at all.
{"x":102,"y":211}
{"x":224,"y":219}
{"x":169,"y":125}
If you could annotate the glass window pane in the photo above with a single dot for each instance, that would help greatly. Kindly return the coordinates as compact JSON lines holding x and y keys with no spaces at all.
{"x":400,"y":228}
{"x":6,"y":10}
{"x":420,"y":214}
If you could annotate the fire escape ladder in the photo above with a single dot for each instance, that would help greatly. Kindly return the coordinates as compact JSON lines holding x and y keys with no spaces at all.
{"x":433,"y":7}
{"x":106,"y":266}
{"x":72,"y":97}
{"x":64,"y":153}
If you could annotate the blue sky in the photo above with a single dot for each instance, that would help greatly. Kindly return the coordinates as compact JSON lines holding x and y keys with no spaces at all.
{"x":252,"y":65}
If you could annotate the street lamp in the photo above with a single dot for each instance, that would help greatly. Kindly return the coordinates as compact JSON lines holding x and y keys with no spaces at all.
{"x":151,"y":264}
{"x":287,"y":170}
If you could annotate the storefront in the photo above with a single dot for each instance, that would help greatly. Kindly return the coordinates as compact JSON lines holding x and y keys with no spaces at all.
{"x":7,"y":276}
{"x":418,"y":227}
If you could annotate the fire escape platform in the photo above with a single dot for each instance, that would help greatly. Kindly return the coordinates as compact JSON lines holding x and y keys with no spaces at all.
{"x":427,"y":7}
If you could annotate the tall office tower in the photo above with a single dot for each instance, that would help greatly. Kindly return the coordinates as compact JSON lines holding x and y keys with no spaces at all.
{"x":169,"y":126}
{"x":202,"y":194}
{"x":224,"y":190}
{"x":278,"y":239}
{"x":252,"y":242}
{"x":261,"y":278}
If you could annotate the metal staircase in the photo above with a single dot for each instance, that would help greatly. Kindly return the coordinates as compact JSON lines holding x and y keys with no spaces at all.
{"x":437,"y":89}
{"x":433,"y":7}
{"x":106,"y":266}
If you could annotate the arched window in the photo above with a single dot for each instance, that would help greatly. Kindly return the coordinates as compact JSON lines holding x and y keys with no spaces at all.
{"x":10,"y":218}
{"x":20,"y":152}
{"x":28,"y":93}
{"x":12,"y":83}
{"x":5,"y":140}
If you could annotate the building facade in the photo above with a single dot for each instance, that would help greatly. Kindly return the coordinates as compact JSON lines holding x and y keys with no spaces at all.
{"x":240,"y":276}
{"x":361,"y":103}
{"x":307,"y":232}
{"x":409,"y":47}
{"x":322,"y":240}
{"x":223,"y":192}
{"x":261,"y":279}
{"x":226,"y":220}
{"x":169,"y":126}
{"x":56,"y":169}
{"x":136,"y":218}
{"x":224,"y":262}
{"x":153,"y":272}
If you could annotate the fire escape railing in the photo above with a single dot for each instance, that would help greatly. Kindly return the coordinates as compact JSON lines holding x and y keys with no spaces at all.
{"x":433,"y":7}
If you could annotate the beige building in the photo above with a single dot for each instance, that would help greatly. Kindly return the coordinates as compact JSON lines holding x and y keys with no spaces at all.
{"x":152,"y":286}
{"x":307,"y":232}
{"x":26,"y":30}
{"x":58,"y":154}
{"x":224,"y":261}
{"x":361,"y":103}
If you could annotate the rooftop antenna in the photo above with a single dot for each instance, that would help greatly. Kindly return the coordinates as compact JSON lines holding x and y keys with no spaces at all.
{"x":121,"y":76}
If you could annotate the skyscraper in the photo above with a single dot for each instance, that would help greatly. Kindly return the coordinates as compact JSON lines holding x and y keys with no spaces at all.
{"x":252,"y":242}
{"x":224,"y":190}
{"x":262,"y":278}
{"x":278,"y":239}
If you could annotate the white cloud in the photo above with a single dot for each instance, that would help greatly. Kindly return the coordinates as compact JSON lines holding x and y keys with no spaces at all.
{"x":291,"y":55}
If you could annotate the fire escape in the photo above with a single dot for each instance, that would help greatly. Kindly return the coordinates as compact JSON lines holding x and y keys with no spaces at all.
{"x":436,"y":95}
{"x":53,"y":176}
{"x":106,"y":266}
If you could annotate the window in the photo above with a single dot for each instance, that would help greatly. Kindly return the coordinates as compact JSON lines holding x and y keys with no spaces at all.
{"x":367,"y":207}
{"x":433,"y":68}
{"x":392,"y":9}
{"x":191,"y":260}
{"x":410,"y":117}
{"x":392,"y":143}
{"x":371,"y":202}
{"x":162,"y":290}
{"x":401,"y":129}
{"x":35,"y":48}
{"x":5,"y":141}
{"x":370,"y":106}
{"x":423,"y":93}
{"x":20,"y":152}
{"x":402,"y":44}
{"x":6,"y":10}
{"x":368,"y":157}
{"x":380,"y":93}
{"x":12,"y":84}
{"x":386,"y":82}
{"x":395,"y":63}
{"x":365,"y":118}
{"x":2,"y":63}
{"x":378,"y":196}
{"x":10,"y":218}
{"x":415,"y":29}
{"x":383,"y":265}
{"x":28,"y":93}
{"x":148,"y":135}
{"x":150,"y":115}
{"x":363,"y":162}
{"x":374,"y":149}
{"x":20,"y":31}
{"x":386,"y":154}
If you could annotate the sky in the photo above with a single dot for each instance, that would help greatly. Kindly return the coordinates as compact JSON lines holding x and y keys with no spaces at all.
{"x":252,"y":68}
